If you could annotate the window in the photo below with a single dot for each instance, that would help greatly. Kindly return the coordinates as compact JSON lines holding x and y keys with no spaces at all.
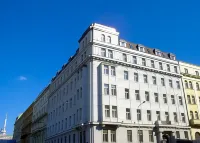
{"x":158,"y":115}
{"x":140,"y":135}
{"x":152,"y":64}
{"x":148,"y":115}
{"x":188,"y":99}
{"x":170,"y":83}
{"x":136,"y":77}
{"x":114,"y":111}
{"x":128,"y":114}
{"x":168,"y":67}
{"x":190,"y":83}
{"x":106,"y":89}
{"x":113,"y":90}
{"x":186,"y":84}
{"x":145,"y":78}
{"x":186,"y":71}
{"x":160,"y":66}
{"x":172,"y":98}
{"x":183,"y":117}
{"x":137,"y":94}
{"x":175,"y":117}
{"x":129,"y":135}
{"x":107,"y":111}
{"x":154,"y":79}
{"x":143,"y":62}
{"x":151,"y":136}
{"x":110,"y":54}
{"x":193,"y":100}
{"x":166,"y":116}
{"x":138,"y":114}
{"x":141,"y":49}
{"x":178,"y":84}
{"x":175,"y":69}
{"x":123,"y":44}
{"x":134,"y":59}
{"x":196,"y":115}
{"x":162,"y":81}
{"x":113,"y":71}
{"x":197,"y":86}
{"x":156,"y":97}
{"x":177,"y":135}
{"x":109,"y":39}
{"x":180,"y":100}
{"x":103,"y":38}
{"x":124,"y":57}
{"x":106,"y":70}
{"x":147,"y":96}
{"x":164,"y":98}
{"x":127,"y":93}
{"x":126,"y":75}
{"x":113,"y":136}
{"x":197,"y":73}
{"x":186,"y":135}
{"x":105,"y":135}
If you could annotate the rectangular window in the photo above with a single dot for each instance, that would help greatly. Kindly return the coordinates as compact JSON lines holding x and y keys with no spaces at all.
{"x":168,"y":67}
{"x":164,"y":98}
{"x":136,"y":77}
{"x":137,"y":94}
{"x":186,"y":71}
{"x":138,"y":114}
{"x":156,"y":97}
{"x":162,"y":81}
{"x":183,"y":117}
{"x":105,"y":135}
{"x":193,"y":100}
{"x":148,"y":115}
{"x":151,"y":136}
{"x":103,"y":52}
{"x":158,"y":115}
{"x":114,"y":111}
{"x":129,"y":135}
{"x":180,"y":100}
{"x":143,"y":62}
{"x":170,"y":83}
{"x":80,"y":112}
{"x":145,"y":78}
{"x":175,"y":69}
{"x":160,"y":66}
{"x":124,"y":57}
{"x":147,"y":95}
{"x":106,"y":89}
{"x":113,"y":136}
{"x":177,"y":134}
{"x":186,"y":135}
{"x":166,"y":116}
{"x":154,"y":79}
{"x":140,"y":135}
{"x":106,"y":70}
{"x":197,"y":73}
{"x":152,"y":64}
{"x":113,"y":90}
{"x":178,"y":84}
{"x":110,"y":54}
{"x":126,"y":75}
{"x":127,"y":93}
{"x":175,"y":117}
{"x":128,"y":114}
{"x":134,"y":59}
{"x":113,"y":71}
{"x":107,"y":111}
{"x":172,"y":99}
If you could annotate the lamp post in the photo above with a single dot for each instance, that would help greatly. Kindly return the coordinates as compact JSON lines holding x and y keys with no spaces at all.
{"x":138,"y":119}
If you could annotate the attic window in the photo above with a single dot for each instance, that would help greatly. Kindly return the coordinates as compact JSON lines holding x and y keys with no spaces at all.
{"x":158,"y":53}
{"x":131,"y":46}
{"x":123,"y":44}
{"x":141,"y":48}
{"x":172,"y":57}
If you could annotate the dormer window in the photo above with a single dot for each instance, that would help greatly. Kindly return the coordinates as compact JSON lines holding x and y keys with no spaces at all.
{"x":141,"y":48}
{"x":123,"y":44}
{"x":158,"y":53}
{"x":103,"y":38}
{"x":172,"y":57}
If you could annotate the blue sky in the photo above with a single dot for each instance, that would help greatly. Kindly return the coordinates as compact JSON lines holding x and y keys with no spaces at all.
{"x":37,"y":37}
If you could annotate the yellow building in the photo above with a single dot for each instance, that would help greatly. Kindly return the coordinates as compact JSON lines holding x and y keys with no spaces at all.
{"x":191,"y":84}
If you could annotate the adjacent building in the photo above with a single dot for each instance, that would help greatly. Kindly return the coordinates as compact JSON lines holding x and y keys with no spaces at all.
{"x":18,"y":129}
{"x":39,"y":118}
{"x":191,"y":84}
{"x":113,"y":90}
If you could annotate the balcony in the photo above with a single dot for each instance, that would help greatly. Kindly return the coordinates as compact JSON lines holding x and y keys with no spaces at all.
{"x":195,"y":122}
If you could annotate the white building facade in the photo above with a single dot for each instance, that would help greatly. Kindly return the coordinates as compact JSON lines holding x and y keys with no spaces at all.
{"x":112,"y":90}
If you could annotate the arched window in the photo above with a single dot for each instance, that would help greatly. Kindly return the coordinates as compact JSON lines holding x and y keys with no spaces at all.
{"x":103,"y":38}
{"x":196,"y":115}
{"x":197,"y":86}
{"x":191,"y":115}
{"x":190,"y":83}
{"x":109,"y":39}
{"x":186,"y":84}
{"x":197,"y":136}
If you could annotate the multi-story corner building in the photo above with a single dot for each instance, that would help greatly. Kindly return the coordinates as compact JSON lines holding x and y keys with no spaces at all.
{"x":39,"y":119}
{"x":191,"y":81}
{"x":26,"y":125}
{"x":98,"y":96}
{"x":18,"y":129}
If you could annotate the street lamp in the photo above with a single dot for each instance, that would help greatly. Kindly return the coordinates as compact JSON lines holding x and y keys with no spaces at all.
{"x":138,"y":119}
